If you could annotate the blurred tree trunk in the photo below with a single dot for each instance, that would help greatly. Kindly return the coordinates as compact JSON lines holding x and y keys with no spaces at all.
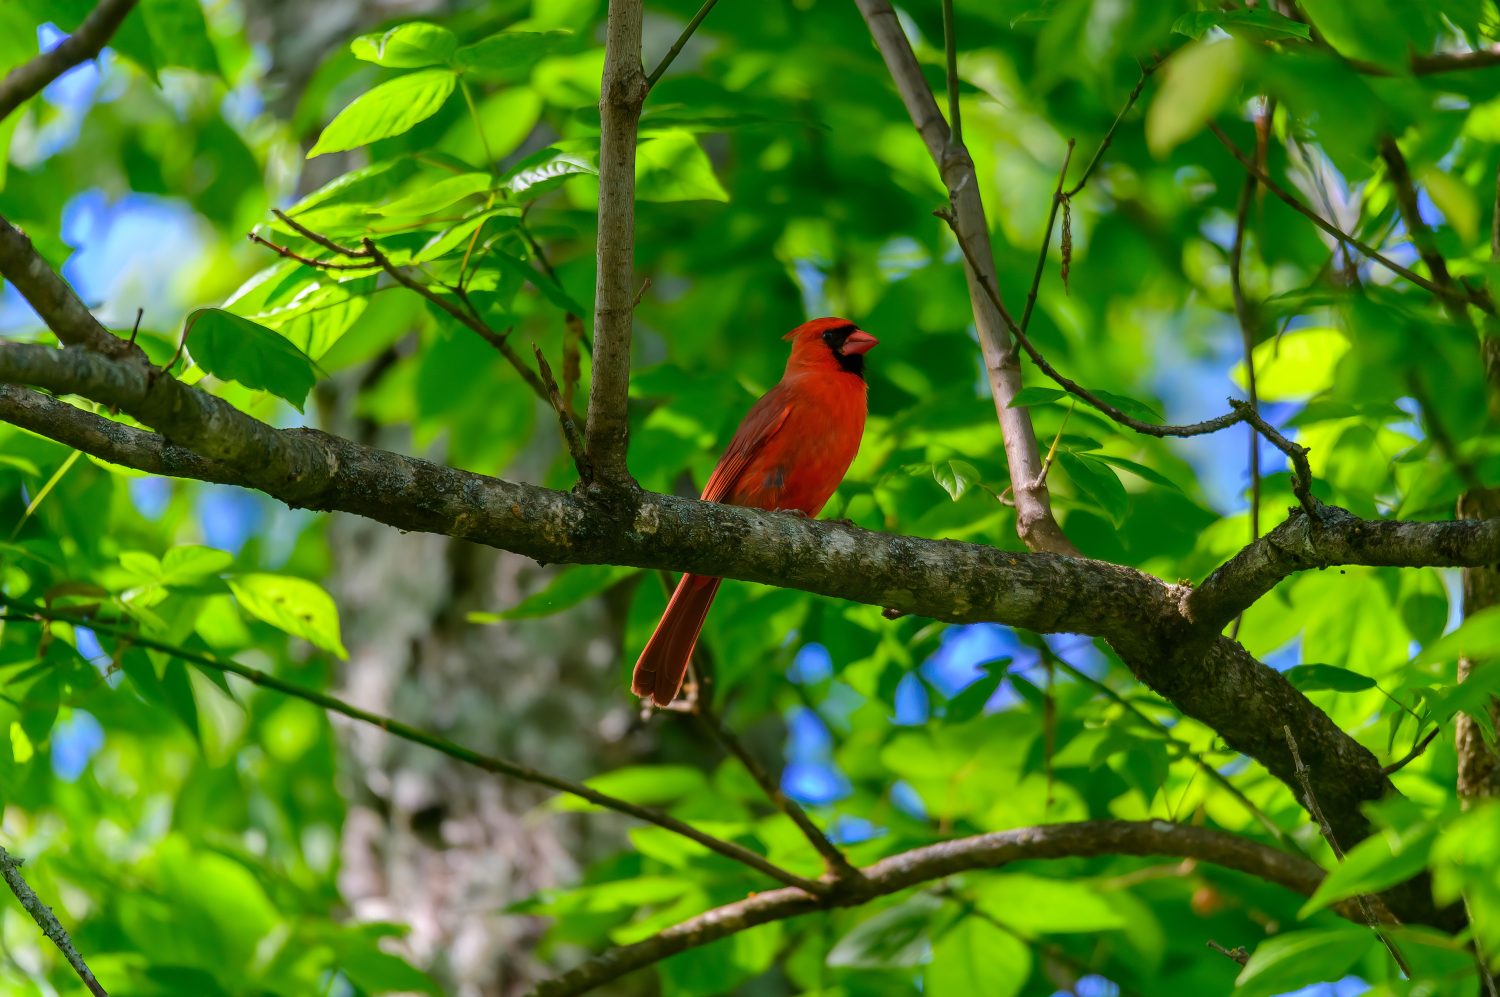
{"x":429,"y":842}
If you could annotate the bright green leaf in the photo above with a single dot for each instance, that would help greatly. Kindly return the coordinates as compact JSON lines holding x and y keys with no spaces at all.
{"x":389,"y":109}
{"x":407,"y":46}
{"x":233,"y":348}
{"x":293,"y":605}
{"x":1196,"y":83}
{"x":673,"y":167}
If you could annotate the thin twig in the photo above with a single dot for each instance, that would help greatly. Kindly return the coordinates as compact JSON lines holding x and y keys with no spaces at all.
{"x":834,"y":859}
{"x":1204,"y":765}
{"x":316,"y":237}
{"x":1246,"y":320}
{"x":10,"y":869}
{"x":1041,"y":256}
{"x":571,"y":436}
{"x":1109,"y":136}
{"x":489,"y":763}
{"x":1366,"y":902}
{"x":682,"y":39}
{"x":1413,"y":754}
{"x":468,"y":317}
{"x":571,"y":357}
{"x":1240,"y":412}
{"x":1238,"y":953}
{"x":1478,"y":299}
{"x":950,"y":55}
{"x":290,"y":254}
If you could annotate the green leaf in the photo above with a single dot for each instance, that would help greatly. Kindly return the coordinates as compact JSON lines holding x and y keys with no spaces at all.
{"x":293,"y":605}
{"x":377,"y":972}
{"x":1381,"y":860}
{"x":1040,"y":905}
{"x":389,"y":109}
{"x":895,"y":938}
{"x":649,"y":785}
{"x":1197,"y":82}
{"x":407,"y":46}
{"x":1456,"y":200}
{"x":509,"y":52}
{"x":1255,"y":24}
{"x":971,"y":700}
{"x":673,"y":167}
{"x":1477,"y":637}
{"x":545,"y":168}
{"x":431,"y":197}
{"x":1098,"y":483}
{"x":179,"y":35}
{"x":1295,"y":366}
{"x":1318,"y":677}
{"x":191,"y":563}
{"x":955,"y":477}
{"x":975,"y":957}
{"x":1132,"y":407}
{"x":233,"y":348}
{"x":1139,"y":470}
{"x":1036,"y":395}
{"x":1294,"y":960}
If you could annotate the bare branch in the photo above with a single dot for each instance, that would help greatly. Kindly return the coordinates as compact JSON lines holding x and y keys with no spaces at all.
{"x":922,"y":865}
{"x":27,"y":613}
{"x":1240,"y":412}
{"x":571,"y":437}
{"x":1367,"y":904}
{"x":10,"y":869}
{"x":466,"y":316}
{"x":621,"y":93}
{"x":837,"y":864}
{"x":1035,"y":524}
{"x":1479,"y":299}
{"x":28,"y":79}
{"x":1421,"y":236}
{"x":682,"y":39}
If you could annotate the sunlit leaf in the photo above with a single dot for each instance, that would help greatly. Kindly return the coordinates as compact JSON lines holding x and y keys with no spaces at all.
{"x":389,"y":109}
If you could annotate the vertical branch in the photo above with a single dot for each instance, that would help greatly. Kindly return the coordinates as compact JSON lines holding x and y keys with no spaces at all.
{"x":1035,"y":523}
{"x":621,"y":93}
{"x":10,"y":869}
{"x":1478,"y":762}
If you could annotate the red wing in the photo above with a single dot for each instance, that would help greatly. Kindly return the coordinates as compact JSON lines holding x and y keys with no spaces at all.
{"x":760,"y":425}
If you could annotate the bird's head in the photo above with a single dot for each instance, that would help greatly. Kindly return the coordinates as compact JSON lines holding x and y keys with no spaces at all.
{"x":831,"y":343}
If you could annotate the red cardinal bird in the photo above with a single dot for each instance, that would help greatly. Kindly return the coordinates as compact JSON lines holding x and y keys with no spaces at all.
{"x":790,"y":453}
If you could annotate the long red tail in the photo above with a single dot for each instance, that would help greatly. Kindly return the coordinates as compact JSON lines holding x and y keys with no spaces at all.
{"x":662,"y":665}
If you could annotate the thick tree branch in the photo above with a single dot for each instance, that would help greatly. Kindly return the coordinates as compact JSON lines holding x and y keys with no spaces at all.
{"x":1035,"y":523}
{"x":1335,"y":537}
{"x":1143,"y":618}
{"x":10,"y":870}
{"x":28,"y":79}
{"x":923,"y":865}
{"x":622,"y":91}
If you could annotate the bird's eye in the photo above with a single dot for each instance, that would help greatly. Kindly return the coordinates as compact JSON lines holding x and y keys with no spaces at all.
{"x":828,"y":337}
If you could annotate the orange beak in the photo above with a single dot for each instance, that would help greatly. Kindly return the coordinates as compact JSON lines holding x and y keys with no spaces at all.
{"x":859,"y":342}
